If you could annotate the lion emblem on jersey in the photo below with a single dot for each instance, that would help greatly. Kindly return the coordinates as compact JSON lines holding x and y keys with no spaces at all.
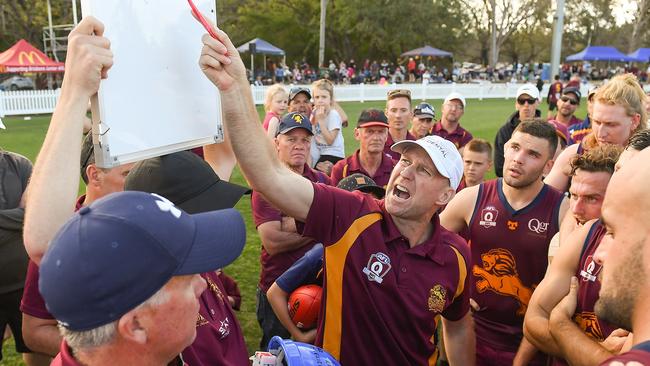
{"x":499,"y":274}
{"x":588,"y":322}
{"x":437,"y":296}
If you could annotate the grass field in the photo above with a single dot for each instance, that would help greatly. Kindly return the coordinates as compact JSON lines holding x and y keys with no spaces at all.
{"x":482,"y":119}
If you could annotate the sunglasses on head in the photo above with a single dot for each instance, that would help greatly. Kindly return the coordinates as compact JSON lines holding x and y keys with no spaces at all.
{"x":570,"y":100}
{"x":530,"y":101}
{"x":399,"y":92}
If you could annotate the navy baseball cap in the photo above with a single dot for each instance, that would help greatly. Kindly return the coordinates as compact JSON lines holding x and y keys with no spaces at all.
{"x":424,"y":110}
{"x":575,"y":91}
{"x":294,"y":120}
{"x":116,"y":253}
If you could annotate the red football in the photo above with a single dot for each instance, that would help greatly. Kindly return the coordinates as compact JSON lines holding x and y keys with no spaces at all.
{"x":304,"y":306}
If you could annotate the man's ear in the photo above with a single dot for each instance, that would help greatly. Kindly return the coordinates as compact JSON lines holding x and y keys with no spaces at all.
{"x":131,"y":329}
{"x":92,"y":172}
{"x":445,"y":197}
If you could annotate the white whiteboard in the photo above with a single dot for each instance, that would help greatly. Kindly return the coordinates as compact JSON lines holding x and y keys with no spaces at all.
{"x":155,"y":100}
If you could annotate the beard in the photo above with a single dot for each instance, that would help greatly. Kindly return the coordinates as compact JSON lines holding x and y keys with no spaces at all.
{"x":616,"y":302}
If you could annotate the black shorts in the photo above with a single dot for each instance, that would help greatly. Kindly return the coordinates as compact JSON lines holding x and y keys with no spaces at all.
{"x":331,"y":158}
{"x":552,"y":106}
{"x":10,"y":315}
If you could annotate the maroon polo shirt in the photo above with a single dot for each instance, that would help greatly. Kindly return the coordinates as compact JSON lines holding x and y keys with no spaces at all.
{"x":275,"y":265}
{"x":32,"y":302}
{"x":219,"y":338}
{"x":460,"y":136}
{"x":389,"y":142}
{"x":352,"y":165}
{"x":64,"y":358}
{"x":382,"y":298}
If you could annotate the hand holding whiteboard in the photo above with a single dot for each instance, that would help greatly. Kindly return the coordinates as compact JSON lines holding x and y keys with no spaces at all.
{"x":155,"y":100}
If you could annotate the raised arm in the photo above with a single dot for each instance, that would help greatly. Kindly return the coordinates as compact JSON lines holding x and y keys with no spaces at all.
{"x":55,"y":180}
{"x":551,"y":290}
{"x":458,"y":213}
{"x":558,"y":178}
{"x":286,"y":190}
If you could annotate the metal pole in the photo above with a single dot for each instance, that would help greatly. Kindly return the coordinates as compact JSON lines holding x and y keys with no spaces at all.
{"x":253,"y":67}
{"x":52,"y":41}
{"x":556,"y":48}
{"x":321,"y":44}
{"x":74,"y":12}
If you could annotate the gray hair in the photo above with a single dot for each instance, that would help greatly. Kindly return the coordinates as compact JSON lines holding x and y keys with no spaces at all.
{"x":105,"y":334}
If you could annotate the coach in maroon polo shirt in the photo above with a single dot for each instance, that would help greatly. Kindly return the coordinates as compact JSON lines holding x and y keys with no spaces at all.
{"x":369,"y":159}
{"x":449,"y":127}
{"x":281,"y":244}
{"x":390,"y":268}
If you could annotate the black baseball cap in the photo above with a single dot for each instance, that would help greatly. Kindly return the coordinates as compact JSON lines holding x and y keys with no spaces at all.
{"x":294,"y":120}
{"x":363,"y":183}
{"x":372,"y":117}
{"x":573,"y":90}
{"x":186,"y":180}
{"x":425,"y":110}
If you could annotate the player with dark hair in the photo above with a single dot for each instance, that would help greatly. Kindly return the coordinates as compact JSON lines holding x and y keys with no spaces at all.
{"x":584,"y":343}
{"x":509,"y":222}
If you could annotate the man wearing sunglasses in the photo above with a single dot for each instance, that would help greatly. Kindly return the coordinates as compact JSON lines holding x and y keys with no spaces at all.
{"x":526,"y":108}
{"x":567,"y":105}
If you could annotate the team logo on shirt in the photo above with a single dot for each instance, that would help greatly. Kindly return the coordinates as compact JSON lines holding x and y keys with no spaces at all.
{"x":377,"y":267}
{"x":489,"y":217}
{"x":588,"y":322}
{"x":499,"y":274}
{"x":224,"y":327}
{"x":590,"y":270}
{"x":537,"y":226}
{"x":437,"y":296}
{"x":512,"y":225}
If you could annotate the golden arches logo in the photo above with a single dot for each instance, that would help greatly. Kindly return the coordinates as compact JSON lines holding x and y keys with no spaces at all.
{"x":31,"y":55}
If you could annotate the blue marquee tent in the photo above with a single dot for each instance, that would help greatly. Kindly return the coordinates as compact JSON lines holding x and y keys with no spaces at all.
{"x":261,"y":47}
{"x":641,"y":54}
{"x":427,"y":51}
{"x":601,"y":53}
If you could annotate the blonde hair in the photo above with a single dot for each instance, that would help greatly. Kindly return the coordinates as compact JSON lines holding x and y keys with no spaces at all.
{"x":324,"y":84}
{"x":625,"y":91}
{"x":271,"y":92}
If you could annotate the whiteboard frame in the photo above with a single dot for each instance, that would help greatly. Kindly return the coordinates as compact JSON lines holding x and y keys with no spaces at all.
{"x":110,"y":147}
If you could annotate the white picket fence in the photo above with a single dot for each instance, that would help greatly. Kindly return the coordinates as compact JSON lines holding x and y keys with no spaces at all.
{"x":25,"y":102}
{"x":43,"y":101}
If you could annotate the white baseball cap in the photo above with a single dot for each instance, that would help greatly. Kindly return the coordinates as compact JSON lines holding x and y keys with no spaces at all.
{"x":456,"y":95}
{"x":529,"y":89}
{"x":443,"y":153}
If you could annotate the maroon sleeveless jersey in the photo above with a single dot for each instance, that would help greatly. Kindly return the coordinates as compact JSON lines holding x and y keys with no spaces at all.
{"x":509,"y":258}
{"x":588,"y":288}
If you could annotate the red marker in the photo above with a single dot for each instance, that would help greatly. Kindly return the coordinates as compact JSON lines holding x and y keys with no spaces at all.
{"x":202,"y":20}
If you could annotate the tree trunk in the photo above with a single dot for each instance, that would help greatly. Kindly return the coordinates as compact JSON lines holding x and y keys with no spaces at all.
{"x":494,"y":51}
{"x":640,"y":20}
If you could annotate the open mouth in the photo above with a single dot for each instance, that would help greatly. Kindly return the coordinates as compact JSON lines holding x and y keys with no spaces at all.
{"x":401,"y":192}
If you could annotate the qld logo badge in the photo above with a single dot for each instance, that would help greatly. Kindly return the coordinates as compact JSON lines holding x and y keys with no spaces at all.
{"x":489,"y":217}
{"x":377,"y":267}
